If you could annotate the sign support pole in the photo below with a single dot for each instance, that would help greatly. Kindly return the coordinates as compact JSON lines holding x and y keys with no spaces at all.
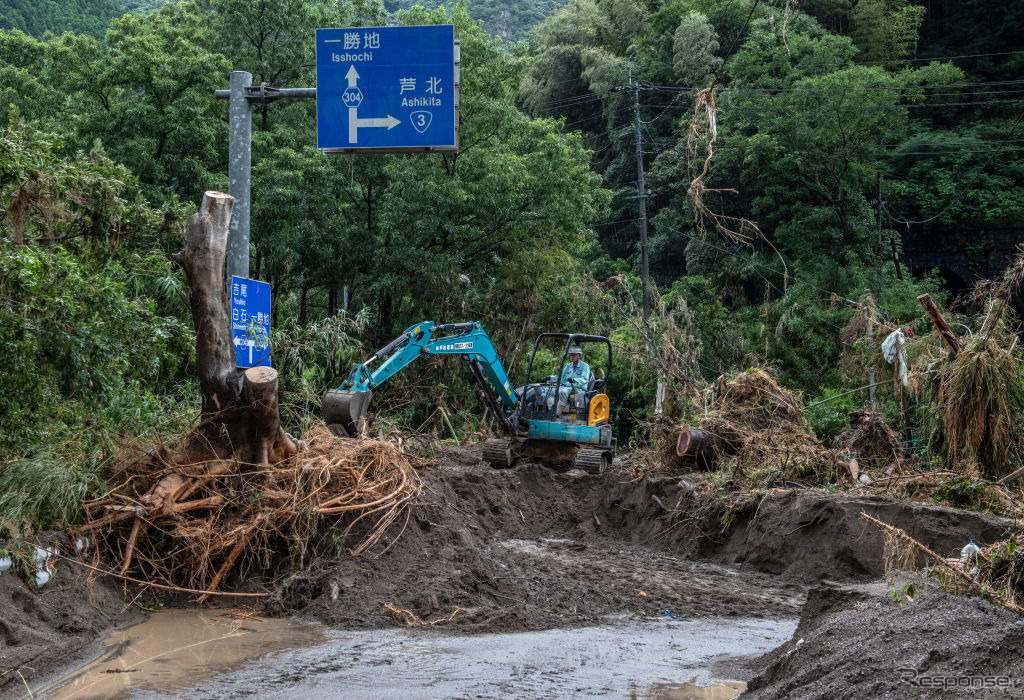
{"x":242,"y":95}
{"x":239,"y":174}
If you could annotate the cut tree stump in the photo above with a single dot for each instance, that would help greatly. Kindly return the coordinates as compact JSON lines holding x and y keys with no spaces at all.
{"x":261,"y":391}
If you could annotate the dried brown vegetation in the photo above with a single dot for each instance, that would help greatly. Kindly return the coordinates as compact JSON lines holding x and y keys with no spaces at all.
{"x":760,"y":428}
{"x":191,"y":525}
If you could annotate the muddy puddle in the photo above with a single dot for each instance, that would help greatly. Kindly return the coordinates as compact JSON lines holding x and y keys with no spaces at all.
{"x":202,"y":654}
{"x":171,"y":651}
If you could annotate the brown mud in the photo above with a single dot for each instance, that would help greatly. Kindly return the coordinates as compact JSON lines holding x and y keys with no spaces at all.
{"x":529,"y":549}
{"x":42,"y":629}
{"x":532,"y":549}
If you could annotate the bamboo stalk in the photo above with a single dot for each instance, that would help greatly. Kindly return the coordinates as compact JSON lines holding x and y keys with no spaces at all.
{"x":974,"y":585}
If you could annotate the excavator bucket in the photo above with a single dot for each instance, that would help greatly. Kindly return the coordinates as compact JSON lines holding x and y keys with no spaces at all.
{"x":348,"y":409}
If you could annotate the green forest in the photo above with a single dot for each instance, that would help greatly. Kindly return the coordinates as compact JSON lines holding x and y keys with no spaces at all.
{"x":36,"y":17}
{"x":792,"y":156}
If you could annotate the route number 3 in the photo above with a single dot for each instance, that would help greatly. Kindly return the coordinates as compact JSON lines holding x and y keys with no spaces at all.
{"x":420,"y":120}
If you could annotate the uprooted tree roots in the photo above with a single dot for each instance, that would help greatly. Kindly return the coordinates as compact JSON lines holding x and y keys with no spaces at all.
{"x":191,"y":525}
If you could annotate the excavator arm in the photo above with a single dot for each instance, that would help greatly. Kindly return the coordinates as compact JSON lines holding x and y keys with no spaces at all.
{"x":348,"y":404}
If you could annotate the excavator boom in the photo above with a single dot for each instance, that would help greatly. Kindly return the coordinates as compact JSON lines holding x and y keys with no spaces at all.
{"x":348,"y":404}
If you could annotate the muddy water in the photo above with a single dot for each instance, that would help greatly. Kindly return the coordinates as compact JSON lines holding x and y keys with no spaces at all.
{"x":171,"y":651}
{"x":625,"y":659}
{"x":204,"y":654}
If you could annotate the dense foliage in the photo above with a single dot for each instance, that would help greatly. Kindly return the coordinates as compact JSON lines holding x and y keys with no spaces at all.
{"x":36,"y":17}
{"x":512,"y":20}
{"x":811,"y":125}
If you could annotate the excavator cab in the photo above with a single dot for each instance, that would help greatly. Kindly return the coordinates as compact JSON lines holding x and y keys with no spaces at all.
{"x":561,"y":394}
{"x":563,"y":412}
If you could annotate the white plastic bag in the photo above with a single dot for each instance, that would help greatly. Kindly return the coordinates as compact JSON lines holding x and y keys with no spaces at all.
{"x":892,"y":350}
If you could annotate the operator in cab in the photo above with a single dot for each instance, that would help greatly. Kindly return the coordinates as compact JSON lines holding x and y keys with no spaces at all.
{"x":575,"y":376}
{"x":576,"y":371}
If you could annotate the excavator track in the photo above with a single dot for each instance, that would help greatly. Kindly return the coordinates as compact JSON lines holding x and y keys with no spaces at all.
{"x":498,"y":453}
{"x":592,"y":461}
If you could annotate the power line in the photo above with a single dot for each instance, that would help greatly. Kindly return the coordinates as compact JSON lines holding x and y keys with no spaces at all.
{"x":938,"y":58}
{"x":898,"y":154}
{"x":946,"y":143}
{"x":752,"y":263}
{"x":880,"y":88}
{"x":949,"y":202}
{"x":863,"y":107}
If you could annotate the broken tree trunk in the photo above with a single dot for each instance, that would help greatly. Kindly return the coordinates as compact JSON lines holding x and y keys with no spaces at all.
{"x":940,"y":323}
{"x":206,"y":244}
{"x":242,"y":425}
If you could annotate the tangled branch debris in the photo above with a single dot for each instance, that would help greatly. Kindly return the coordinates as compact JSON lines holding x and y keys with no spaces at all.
{"x":980,"y":396}
{"x":1000,"y":568}
{"x":410,"y":619}
{"x":191,"y":525}
{"x":700,"y":149}
{"x":760,"y":428}
{"x":870,"y":438}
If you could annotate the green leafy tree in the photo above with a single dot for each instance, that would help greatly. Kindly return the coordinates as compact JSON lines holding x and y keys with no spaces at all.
{"x":37,"y":17}
{"x":147,"y":94}
{"x":886,"y":30}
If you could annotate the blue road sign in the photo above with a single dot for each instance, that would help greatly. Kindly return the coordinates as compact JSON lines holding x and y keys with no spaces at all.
{"x":250,"y":309}
{"x":387,"y":89}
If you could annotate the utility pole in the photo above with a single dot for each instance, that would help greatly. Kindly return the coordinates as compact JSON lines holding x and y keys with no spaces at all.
{"x":641,"y":190}
{"x":239,"y":174}
{"x":878,"y":222}
{"x":242,"y":95}
{"x":645,"y":275}
{"x":869,"y":371}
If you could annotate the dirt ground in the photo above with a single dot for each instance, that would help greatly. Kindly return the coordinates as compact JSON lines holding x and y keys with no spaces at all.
{"x":858,"y":642}
{"x":529,"y":549}
{"x":42,"y":629}
{"x":525,"y":549}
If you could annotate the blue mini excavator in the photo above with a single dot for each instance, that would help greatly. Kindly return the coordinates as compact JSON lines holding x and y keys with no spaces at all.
{"x":550,"y":420}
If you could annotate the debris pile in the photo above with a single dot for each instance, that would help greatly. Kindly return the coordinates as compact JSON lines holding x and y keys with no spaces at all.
{"x":758,"y":427}
{"x":873,"y":443}
{"x":189,"y":526}
{"x":995,"y":572}
{"x":980,"y":396}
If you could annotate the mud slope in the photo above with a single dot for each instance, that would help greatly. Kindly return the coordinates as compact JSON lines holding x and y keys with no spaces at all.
{"x":42,"y":630}
{"x":802,"y":534}
{"x":853,"y":644}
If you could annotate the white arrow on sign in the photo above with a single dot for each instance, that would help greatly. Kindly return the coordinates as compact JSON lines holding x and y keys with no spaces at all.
{"x":355,"y":122}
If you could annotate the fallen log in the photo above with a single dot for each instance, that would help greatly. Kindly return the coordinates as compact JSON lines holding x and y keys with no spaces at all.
{"x":699,"y":445}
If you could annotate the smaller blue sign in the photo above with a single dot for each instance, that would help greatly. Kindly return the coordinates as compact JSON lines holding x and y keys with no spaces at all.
{"x":250,"y":322}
